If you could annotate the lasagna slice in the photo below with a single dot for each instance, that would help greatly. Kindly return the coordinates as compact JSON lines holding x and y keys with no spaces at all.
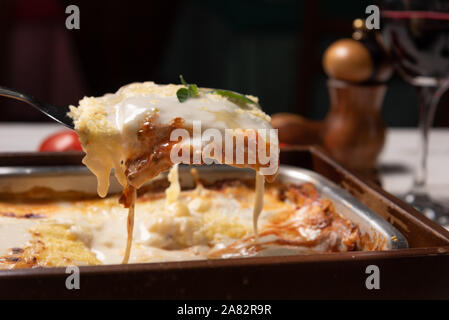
{"x":144,"y":129}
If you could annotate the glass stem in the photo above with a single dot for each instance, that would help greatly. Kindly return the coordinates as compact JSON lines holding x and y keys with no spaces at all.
{"x":428,"y":102}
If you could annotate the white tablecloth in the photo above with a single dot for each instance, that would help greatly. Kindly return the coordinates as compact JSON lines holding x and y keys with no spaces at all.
{"x":399,"y":158}
{"x":396,"y":161}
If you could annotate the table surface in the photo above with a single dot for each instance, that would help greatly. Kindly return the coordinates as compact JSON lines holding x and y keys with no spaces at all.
{"x":396,"y":161}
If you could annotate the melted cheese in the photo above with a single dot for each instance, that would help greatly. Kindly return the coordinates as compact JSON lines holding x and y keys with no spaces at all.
{"x":130,"y":226}
{"x":108,"y":128}
{"x":173,"y":191}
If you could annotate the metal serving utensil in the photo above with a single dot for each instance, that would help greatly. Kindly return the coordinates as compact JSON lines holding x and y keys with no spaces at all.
{"x":58,"y":113}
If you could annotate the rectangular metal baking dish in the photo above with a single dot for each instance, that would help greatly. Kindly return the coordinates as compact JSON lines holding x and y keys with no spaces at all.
{"x":78,"y":178}
{"x":420,"y":271}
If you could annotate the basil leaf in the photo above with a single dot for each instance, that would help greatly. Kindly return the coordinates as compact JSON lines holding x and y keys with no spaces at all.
{"x":190,"y":91}
{"x":193,"y":89}
{"x":183,"y":94}
{"x":237,"y":98}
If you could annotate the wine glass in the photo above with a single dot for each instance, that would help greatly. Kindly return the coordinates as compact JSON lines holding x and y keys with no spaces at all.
{"x":416,"y":34}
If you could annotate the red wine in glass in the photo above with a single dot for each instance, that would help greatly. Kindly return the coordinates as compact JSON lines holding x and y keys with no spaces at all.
{"x":418,"y":42}
{"x":416,"y":34}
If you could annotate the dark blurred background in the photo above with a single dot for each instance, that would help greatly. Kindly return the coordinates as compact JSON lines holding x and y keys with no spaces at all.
{"x":268,"y":48}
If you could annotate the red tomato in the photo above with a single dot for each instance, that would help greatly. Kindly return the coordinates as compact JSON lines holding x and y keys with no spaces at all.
{"x":61,"y":141}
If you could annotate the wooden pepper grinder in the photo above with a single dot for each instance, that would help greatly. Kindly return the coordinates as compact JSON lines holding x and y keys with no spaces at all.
{"x":353,"y":131}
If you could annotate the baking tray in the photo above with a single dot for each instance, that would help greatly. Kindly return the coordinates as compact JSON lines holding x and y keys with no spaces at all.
{"x":78,"y":178}
{"x":420,"y":271}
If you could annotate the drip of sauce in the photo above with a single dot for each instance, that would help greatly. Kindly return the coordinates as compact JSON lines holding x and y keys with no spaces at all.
{"x":130,"y":223}
{"x":173,"y":191}
{"x":258,"y":201}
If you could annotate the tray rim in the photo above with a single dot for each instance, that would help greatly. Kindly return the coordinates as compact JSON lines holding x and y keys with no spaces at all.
{"x":332,"y":257}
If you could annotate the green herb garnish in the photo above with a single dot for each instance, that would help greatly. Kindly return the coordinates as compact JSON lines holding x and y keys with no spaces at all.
{"x":191,"y":91}
{"x":183,"y":94}
{"x":237,"y":98}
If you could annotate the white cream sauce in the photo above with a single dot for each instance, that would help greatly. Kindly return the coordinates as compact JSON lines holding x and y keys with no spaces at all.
{"x":14,"y":233}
